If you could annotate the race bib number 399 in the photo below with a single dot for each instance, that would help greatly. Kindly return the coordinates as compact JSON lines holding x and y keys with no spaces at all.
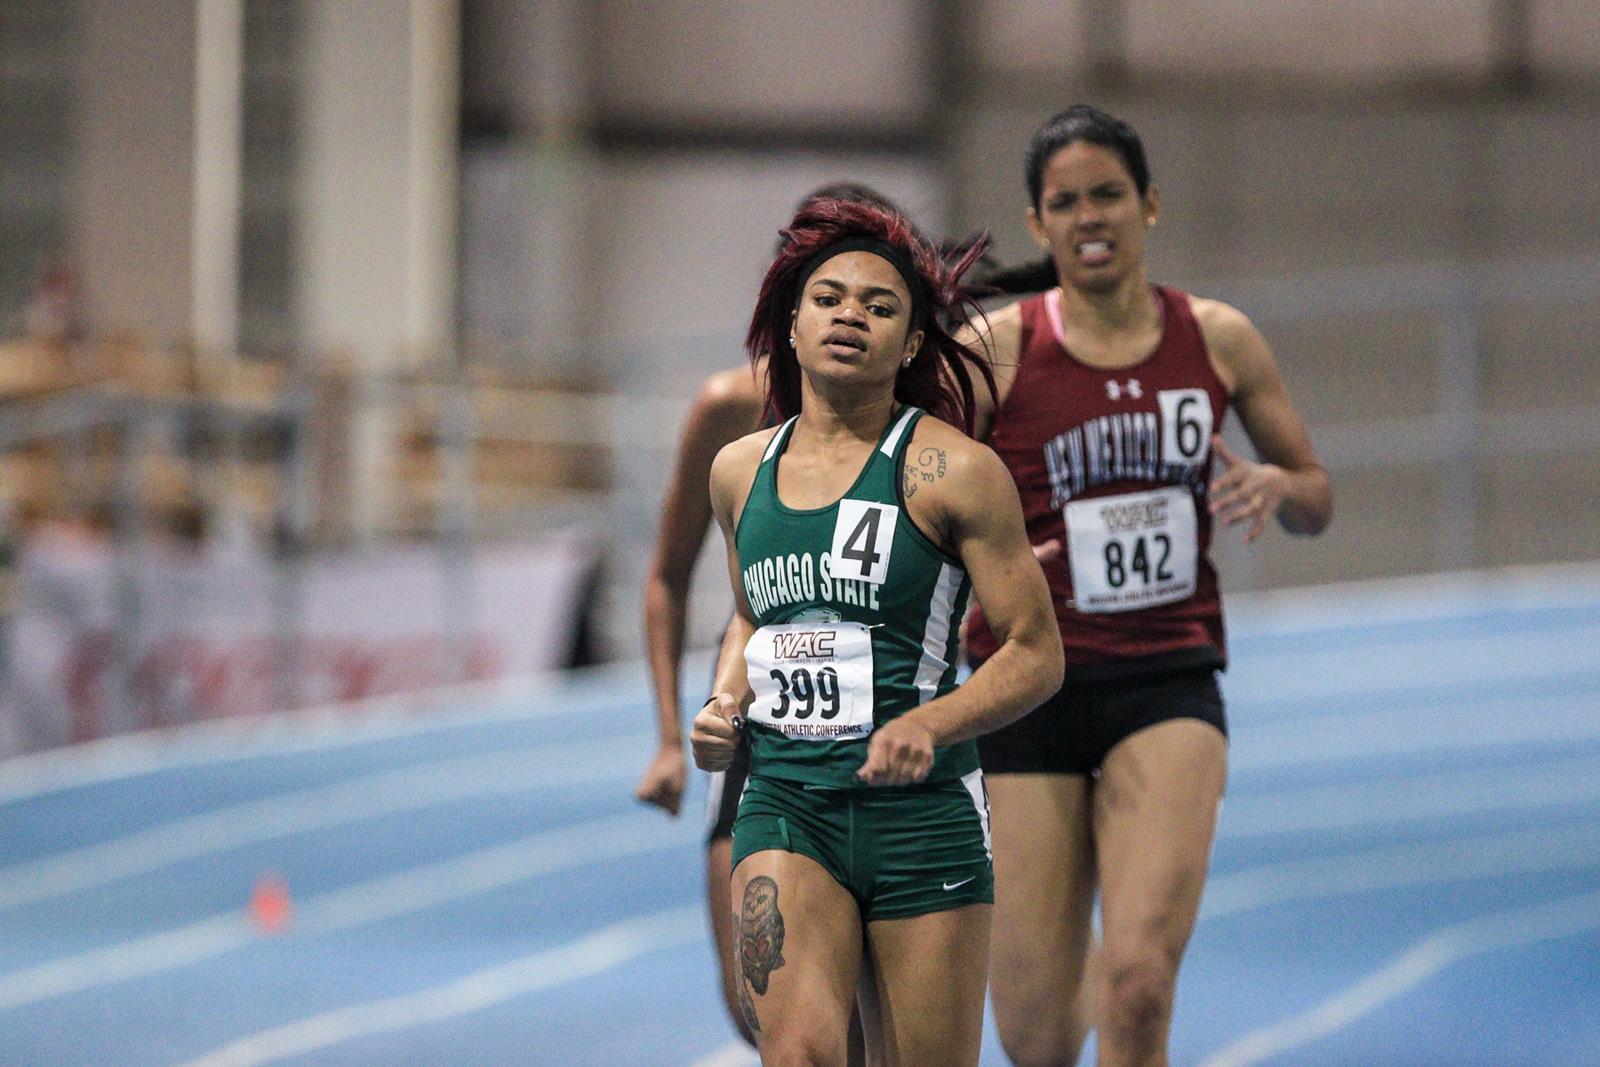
{"x":1132,"y":551}
{"x":812,"y":681}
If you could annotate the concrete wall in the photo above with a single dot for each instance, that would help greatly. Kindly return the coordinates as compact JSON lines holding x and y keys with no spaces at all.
{"x":721,"y":62}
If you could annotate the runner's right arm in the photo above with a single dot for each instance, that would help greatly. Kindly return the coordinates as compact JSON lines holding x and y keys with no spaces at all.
{"x":726,"y":408}
{"x":715,"y":738}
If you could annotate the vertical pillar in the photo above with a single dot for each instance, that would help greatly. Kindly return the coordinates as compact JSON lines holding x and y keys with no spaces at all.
{"x":563,"y":310}
{"x":218,"y":134}
{"x":1105,"y":41}
{"x":1512,"y":34}
{"x":376,"y":259}
{"x":133,"y":175}
{"x":377,"y":189}
{"x":432,"y":183}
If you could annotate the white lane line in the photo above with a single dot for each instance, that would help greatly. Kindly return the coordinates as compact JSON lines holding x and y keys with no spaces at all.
{"x":1550,"y":921}
{"x":733,"y":1054}
{"x":1266,"y":744}
{"x":219,"y":741}
{"x":421,"y":786}
{"x":325,"y":728}
{"x":1391,"y":733}
{"x":403,"y":893}
{"x":556,"y":765}
{"x":594,"y":954}
{"x":1500,"y":854}
{"x":404,"y":789}
{"x":1403,"y":670}
{"x":1308,"y":610}
{"x":1314,"y":609}
{"x":1405,"y":865}
{"x":1393,"y":801}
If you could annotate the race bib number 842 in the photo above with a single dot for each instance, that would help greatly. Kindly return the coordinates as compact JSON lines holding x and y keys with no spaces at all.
{"x":812,"y":681}
{"x":1132,"y":551}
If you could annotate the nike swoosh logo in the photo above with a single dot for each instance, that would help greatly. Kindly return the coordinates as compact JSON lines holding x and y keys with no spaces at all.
{"x":957,"y":885}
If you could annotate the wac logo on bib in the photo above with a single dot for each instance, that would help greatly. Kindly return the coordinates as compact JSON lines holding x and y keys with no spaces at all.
{"x":808,"y":644}
{"x":1138,"y":515}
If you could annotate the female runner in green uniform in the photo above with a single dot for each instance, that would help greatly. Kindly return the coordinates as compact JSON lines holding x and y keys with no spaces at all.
{"x":728,"y":407}
{"x":855,"y":530}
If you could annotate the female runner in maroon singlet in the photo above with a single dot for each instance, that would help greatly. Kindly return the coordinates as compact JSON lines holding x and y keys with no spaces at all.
{"x":1110,"y":395}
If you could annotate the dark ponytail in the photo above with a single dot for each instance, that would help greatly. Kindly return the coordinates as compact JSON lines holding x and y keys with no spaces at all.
{"x":1034,"y":276}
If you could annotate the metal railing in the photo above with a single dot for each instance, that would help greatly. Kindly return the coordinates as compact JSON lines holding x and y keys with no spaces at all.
{"x":139,"y":424}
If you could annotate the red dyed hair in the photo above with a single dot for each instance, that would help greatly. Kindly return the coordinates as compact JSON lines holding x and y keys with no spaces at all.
{"x":940,"y":379}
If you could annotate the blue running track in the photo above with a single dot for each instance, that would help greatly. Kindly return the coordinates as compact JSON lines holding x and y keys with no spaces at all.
{"x":1407,"y":872}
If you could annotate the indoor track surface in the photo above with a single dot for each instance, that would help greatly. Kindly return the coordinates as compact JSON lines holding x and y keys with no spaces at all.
{"x":1407,"y":870}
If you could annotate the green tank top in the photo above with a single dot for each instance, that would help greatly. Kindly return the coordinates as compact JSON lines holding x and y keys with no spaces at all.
{"x":859,"y":617}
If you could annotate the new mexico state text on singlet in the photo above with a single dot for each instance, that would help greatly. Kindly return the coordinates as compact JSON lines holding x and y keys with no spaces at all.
{"x":859,"y":617}
{"x":1115,"y":464}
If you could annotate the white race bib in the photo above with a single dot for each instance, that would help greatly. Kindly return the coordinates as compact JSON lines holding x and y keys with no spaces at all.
{"x":1132,"y":551}
{"x":812,"y":680}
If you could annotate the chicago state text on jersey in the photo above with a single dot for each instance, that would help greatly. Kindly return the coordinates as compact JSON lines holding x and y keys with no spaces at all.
{"x":779,"y":581}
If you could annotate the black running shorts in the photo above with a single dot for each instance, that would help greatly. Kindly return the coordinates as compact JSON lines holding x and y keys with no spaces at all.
{"x":722,"y":796}
{"x":1073,"y":731}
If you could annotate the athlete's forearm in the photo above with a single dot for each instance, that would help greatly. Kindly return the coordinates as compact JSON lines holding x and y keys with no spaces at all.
{"x":1022,"y":673}
{"x":665,"y":609}
{"x":1308,"y":507}
{"x":732,"y":676}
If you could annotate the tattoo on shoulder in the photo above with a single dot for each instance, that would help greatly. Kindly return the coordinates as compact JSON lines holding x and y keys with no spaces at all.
{"x":932,"y":464}
{"x":759,"y":940}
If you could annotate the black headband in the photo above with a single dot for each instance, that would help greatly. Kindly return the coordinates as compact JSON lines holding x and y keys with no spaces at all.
{"x":883,"y":250}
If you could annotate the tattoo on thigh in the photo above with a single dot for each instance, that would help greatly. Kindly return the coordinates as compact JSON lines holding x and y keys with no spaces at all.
{"x":760,"y":942}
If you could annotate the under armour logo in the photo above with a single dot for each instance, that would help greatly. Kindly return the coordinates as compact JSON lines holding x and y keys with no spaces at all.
{"x":1130,"y":388}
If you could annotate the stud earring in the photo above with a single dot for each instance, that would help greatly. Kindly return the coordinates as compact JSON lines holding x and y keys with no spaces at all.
{"x":791,"y":340}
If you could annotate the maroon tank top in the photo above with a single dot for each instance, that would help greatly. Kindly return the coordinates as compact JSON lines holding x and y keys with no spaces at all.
{"x":1115,"y":464}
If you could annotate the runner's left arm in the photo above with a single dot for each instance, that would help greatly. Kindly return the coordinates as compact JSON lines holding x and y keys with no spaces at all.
{"x":1288,"y":480}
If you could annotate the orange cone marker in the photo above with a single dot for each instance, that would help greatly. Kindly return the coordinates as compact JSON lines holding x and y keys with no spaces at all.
{"x":270,"y":908}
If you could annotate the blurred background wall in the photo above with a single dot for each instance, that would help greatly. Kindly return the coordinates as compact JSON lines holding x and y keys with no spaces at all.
{"x":473,"y":256}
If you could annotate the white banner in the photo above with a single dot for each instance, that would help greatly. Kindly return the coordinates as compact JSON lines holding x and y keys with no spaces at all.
{"x":200,"y":633}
